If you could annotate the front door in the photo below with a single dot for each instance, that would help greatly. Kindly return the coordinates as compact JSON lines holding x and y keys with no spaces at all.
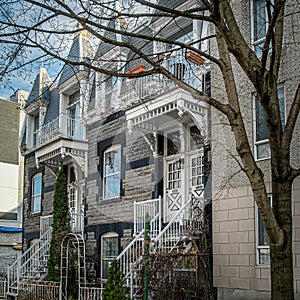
{"x":174,"y":197}
{"x":173,"y":174}
{"x":196,"y":184}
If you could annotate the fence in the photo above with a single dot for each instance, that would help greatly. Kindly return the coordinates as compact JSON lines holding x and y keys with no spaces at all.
{"x":51,"y":291}
{"x":39,"y":290}
{"x":90,"y":293}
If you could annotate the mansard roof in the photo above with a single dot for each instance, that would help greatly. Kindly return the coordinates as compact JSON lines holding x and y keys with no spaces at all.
{"x":145,"y":45}
{"x":53,"y":107}
{"x":105,"y":47}
{"x":81,"y":50}
{"x":169,"y":4}
{"x":40,"y":88}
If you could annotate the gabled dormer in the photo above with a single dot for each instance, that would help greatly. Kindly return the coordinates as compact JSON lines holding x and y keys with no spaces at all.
{"x":62,"y":133}
{"x":106,"y":87}
{"x":81,"y":51}
{"x":73,"y":81}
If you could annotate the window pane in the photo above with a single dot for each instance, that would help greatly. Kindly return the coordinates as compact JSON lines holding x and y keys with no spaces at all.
{"x":173,"y":143}
{"x":259,"y":19}
{"x":37,"y":185}
{"x":110,"y":247}
{"x":36,"y":123}
{"x":37,"y":204}
{"x":74,"y":98}
{"x":264,"y":256}
{"x":263,"y":239}
{"x":112,"y":161}
{"x":112,"y":186}
{"x":258,"y":48}
{"x":37,"y":193}
{"x":263,"y":150}
{"x":281,"y":105}
{"x":261,"y":124}
{"x":196,"y":139}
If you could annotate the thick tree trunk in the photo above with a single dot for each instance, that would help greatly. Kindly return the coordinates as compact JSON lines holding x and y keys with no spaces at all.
{"x":281,"y":254}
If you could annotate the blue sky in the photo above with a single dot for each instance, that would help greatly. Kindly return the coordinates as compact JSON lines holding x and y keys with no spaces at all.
{"x":16,"y":81}
{"x":6,"y":90}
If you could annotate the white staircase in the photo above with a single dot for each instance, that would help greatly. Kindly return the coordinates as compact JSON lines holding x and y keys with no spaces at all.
{"x":162,"y":240}
{"x":32,"y":265}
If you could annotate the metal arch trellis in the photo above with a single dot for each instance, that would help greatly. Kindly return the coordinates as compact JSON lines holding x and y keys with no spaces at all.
{"x":72,"y":243}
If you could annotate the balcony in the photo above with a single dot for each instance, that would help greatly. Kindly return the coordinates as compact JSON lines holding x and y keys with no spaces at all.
{"x":70,"y":129}
{"x":141,"y":89}
{"x":61,"y":137}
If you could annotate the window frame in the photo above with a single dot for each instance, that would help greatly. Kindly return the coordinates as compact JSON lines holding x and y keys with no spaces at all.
{"x":259,"y":221}
{"x":106,"y":258}
{"x":283,"y":120}
{"x":35,"y":130}
{"x":105,"y":175}
{"x":34,"y":195}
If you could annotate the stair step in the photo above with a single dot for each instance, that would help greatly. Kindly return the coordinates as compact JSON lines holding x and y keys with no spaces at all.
{"x":10,"y":294}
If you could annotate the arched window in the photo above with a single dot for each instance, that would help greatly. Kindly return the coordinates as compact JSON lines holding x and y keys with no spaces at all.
{"x":36,"y":198}
{"x":109,"y":251}
{"x":112,"y":172}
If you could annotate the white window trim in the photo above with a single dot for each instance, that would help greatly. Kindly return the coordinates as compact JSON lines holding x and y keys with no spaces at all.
{"x":109,"y":149}
{"x":258,"y":247}
{"x":34,"y":196}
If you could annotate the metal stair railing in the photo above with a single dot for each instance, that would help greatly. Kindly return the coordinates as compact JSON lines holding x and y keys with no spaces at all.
{"x":32,"y":264}
{"x":169,"y":237}
{"x":134,"y":251}
{"x":151,"y":210}
{"x":131,"y":254}
{"x":131,"y":257}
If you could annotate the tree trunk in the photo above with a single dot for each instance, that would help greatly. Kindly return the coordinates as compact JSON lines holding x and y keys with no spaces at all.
{"x":281,"y":254}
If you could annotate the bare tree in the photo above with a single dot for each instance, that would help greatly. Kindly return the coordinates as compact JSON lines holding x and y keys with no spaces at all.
{"x":32,"y":29}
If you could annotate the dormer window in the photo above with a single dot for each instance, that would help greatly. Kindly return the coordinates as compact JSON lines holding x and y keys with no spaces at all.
{"x":111,"y":90}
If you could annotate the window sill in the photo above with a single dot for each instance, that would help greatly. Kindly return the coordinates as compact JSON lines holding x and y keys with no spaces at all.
{"x":35,"y":214}
{"x":262,"y":159}
{"x":263,"y":266}
{"x":109,"y":200}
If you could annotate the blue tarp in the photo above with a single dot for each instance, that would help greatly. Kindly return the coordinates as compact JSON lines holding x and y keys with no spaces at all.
{"x":10,"y":229}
